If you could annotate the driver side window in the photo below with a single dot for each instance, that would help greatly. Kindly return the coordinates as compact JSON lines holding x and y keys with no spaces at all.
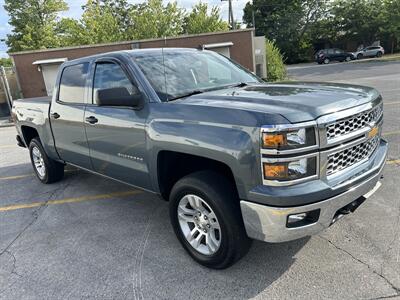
{"x":110,"y":75}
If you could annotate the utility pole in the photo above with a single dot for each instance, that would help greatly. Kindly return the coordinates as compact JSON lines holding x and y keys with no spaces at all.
{"x":231,"y":21}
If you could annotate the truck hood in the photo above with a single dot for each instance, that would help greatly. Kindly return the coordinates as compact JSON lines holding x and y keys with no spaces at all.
{"x":297,"y":102}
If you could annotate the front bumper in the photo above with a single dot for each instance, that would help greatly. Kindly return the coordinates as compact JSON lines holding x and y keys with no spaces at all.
{"x":268,"y":223}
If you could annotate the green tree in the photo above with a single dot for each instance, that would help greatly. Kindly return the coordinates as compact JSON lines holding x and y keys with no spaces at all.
{"x":390,"y":16}
{"x":199,"y":21}
{"x":276,"y":69}
{"x":357,"y":20}
{"x":34,"y":23}
{"x":287,"y":23}
{"x":152,"y":19}
{"x":5,"y":62}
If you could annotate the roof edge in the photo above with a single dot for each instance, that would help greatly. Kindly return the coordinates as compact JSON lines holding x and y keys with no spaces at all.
{"x":128,"y":42}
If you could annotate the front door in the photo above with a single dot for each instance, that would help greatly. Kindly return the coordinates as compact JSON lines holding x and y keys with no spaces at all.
{"x":116,"y":135}
{"x":67,"y":112}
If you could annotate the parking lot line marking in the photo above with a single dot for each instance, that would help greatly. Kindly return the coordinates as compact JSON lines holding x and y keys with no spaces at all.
{"x":69,"y":200}
{"x":391,"y":103}
{"x":7,"y":146}
{"x":391,"y":133}
{"x":28,"y":175}
{"x":393,"y":161}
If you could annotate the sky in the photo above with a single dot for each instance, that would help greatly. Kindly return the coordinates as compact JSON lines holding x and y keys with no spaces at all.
{"x":75,"y":11}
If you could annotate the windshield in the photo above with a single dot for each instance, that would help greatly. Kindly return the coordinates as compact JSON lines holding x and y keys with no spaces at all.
{"x":174,"y":74}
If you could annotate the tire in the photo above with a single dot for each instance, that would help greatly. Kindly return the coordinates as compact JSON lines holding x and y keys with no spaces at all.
{"x":46,"y":169}
{"x":216,"y":197}
{"x":379,"y":54}
{"x":348,"y":58}
{"x":326,"y":61}
{"x":360,"y":56}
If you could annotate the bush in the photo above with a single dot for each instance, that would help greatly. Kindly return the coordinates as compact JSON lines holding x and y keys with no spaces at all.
{"x":276,"y":70}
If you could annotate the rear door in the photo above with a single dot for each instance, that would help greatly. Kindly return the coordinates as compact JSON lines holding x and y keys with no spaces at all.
{"x":117,"y":137}
{"x":66,"y":114}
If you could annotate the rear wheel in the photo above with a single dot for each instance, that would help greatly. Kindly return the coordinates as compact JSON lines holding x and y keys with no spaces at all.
{"x":379,"y":54}
{"x":206,"y":217}
{"x":46,"y":169}
{"x":326,"y":61}
{"x":348,"y":58}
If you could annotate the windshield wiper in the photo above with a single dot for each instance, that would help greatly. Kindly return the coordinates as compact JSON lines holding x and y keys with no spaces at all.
{"x":195,"y":92}
{"x":240,"y":84}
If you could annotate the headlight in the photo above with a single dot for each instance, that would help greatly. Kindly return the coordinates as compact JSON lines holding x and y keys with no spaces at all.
{"x":290,"y":169}
{"x":289,"y":138}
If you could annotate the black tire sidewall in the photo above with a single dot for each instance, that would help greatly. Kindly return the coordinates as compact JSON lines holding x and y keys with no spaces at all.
{"x":205,"y":259}
{"x":234,"y":241}
{"x":36,"y":143}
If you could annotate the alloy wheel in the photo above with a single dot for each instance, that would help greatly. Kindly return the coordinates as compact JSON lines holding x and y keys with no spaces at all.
{"x":38,"y":162}
{"x":199,"y":224}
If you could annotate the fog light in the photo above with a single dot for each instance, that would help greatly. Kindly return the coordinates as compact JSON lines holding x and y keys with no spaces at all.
{"x":296,"y":218}
{"x":302,"y":219}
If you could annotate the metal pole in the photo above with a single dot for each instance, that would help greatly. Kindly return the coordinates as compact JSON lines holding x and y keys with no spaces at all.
{"x":6,"y":87}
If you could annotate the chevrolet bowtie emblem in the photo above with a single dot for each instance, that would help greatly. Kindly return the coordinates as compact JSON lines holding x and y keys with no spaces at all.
{"x":373,"y":132}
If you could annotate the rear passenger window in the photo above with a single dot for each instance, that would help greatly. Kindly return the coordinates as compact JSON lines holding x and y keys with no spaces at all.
{"x":72,"y":83}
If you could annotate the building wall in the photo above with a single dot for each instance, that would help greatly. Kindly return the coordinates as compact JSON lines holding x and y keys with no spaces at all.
{"x":31,"y":79}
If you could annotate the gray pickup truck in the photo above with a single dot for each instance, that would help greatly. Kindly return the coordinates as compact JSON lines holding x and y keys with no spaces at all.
{"x":237,"y":158}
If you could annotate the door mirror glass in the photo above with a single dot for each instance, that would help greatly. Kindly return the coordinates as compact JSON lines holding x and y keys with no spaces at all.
{"x":118,"y":96}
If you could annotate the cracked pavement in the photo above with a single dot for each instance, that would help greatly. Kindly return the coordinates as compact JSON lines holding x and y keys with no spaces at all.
{"x":124,"y":247}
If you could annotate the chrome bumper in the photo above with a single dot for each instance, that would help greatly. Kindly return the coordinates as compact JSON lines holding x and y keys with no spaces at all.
{"x":269,"y":223}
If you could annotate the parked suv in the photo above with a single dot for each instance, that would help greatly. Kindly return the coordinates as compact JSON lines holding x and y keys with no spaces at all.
{"x":372,"y":51}
{"x":327,"y":55}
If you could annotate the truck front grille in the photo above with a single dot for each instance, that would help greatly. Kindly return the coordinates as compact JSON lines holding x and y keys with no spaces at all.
{"x":345,"y":126}
{"x":350,"y":156}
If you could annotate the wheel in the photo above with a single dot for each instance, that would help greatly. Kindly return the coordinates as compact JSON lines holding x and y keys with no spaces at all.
{"x":379,"y":54}
{"x":348,"y":58}
{"x":326,"y":61}
{"x":359,"y":56}
{"x":206,"y":217}
{"x":46,"y":169}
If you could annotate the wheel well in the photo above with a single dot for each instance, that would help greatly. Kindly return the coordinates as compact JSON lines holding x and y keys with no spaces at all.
{"x":172,"y":166}
{"x":29,"y":133}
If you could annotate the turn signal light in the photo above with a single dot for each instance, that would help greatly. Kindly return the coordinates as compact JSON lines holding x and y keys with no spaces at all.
{"x":275,"y":171}
{"x":273,"y":140}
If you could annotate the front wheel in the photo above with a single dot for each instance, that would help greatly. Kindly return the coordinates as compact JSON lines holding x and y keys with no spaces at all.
{"x":359,"y":56}
{"x":206,"y":217}
{"x":46,"y":169}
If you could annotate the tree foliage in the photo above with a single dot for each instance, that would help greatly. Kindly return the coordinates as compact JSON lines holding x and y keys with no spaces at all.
{"x":287,"y":23}
{"x":37,"y":23}
{"x":299,"y":28}
{"x":153,"y":19}
{"x":34,"y":23}
{"x":199,"y":21}
{"x":276,"y":69}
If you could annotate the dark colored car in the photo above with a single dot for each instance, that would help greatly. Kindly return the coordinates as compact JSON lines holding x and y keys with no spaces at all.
{"x":333,"y":54}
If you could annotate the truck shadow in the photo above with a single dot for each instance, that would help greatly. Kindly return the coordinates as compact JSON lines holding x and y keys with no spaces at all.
{"x":138,"y":227}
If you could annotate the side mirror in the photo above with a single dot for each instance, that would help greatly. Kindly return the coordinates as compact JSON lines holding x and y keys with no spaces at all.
{"x":118,"y":96}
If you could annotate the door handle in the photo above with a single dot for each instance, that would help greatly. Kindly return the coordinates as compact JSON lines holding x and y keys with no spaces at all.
{"x":55,"y":115}
{"x":91,"y":120}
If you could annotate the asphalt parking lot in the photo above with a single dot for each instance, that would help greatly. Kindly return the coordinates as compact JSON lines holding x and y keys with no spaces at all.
{"x":89,"y":237}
